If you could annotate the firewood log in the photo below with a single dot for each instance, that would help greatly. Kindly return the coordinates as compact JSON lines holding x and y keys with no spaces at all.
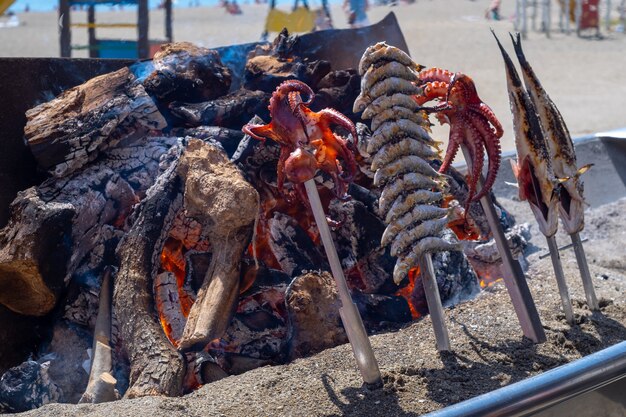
{"x":227,"y":205}
{"x":156,"y":367}
{"x":66,"y":133}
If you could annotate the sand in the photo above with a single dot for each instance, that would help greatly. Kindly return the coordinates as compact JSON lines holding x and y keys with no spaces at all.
{"x":586,"y":78}
{"x":488,"y":350}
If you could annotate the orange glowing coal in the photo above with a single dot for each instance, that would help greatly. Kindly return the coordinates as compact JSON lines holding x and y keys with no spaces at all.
{"x":407,"y":292}
{"x":173,"y":260}
{"x":272,"y":202}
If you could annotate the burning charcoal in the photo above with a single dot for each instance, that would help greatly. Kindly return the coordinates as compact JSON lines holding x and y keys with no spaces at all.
{"x":485,"y":257}
{"x":196,"y":266}
{"x":380,"y":310}
{"x":189,"y":73}
{"x":292,"y":246}
{"x":456,"y":278}
{"x":74,"y":128}
{"x":202,"y":368}
{"x":313,"y":310}
{"x":231,"y":111}
{"x":68,"y":350}
{"x":257,"y":334}
{"x":28,"y":386}
{"x":338,"y":89}
{"x":270,"y":65}
{"x":365,"y":196}
{"x":167,"y":304}
{"x":228,"y":139}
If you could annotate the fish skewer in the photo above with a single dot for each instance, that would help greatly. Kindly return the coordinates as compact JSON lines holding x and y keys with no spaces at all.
{"x":533,"y":170}
{"x":563,"y":159}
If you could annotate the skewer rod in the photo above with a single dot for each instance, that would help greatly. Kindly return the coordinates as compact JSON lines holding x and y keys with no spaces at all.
{"x":514,"y":279}
{"x":434,"y":302}
{"x":560,"y":279}
{"x":350,"y":316}
{"x":590,"y":293}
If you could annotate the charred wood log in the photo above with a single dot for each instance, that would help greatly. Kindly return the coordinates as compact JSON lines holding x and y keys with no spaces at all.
{"x":218,"y":197}
{"x":28,"y":386}
{"x":70,"y":226}
{"x":186,"y":72}
{"x":269,"y":65}
{"x":66,"y":133}
{"x":293,"y":248}
{"x":338,"y":89}
{"x":156,"y":367}
{"x":232,"y":111}
{"x":228,"y":139}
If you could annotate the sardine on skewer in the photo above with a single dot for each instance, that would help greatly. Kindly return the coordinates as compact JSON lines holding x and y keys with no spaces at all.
{"x":563,"y":159}
{"x":560,"y":147}
{"x":533,"y":170}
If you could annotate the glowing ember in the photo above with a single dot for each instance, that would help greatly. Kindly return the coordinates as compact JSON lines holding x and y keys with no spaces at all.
{"x":173,"y":260}
{"x":488,"y":282}
{"x":407,"y":292}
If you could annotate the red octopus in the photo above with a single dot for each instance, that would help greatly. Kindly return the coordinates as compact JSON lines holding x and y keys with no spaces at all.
{"x":306,"y":139}
{"x":472,"y":123}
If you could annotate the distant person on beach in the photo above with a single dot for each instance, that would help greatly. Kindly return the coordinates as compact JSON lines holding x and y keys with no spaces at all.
{"x":355,"y":9}
{"x":493,"y":11}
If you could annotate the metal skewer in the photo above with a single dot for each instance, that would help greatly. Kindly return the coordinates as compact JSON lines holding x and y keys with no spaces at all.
{"x":514,"y":279}
{"x":434,"y":302}
{"x":590,"y":293}
{"x":350,"y":316}
{"x":560,"y":279}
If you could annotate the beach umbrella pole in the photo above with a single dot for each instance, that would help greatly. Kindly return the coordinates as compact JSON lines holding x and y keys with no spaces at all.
{"x":352,"y":322}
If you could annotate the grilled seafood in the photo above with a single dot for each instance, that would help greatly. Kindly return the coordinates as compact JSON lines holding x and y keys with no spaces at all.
{"x":560,"y":147}
{"x":533,"y":170}
{"x":306,"y":139}
{"x":472,"y":123}
{"x":401,"y":148}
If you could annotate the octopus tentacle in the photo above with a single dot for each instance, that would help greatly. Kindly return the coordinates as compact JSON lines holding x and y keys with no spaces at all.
{"x":436,"y":74}
{"x":486,"y":111}
{"x":291,"y":85}
{"x":260,"y":132}
{"x":454,"y":142}
{"x":477,"y":151}
{"x":492,"y":145}
{"x":432,"y":90}
{"x":280,"y":173}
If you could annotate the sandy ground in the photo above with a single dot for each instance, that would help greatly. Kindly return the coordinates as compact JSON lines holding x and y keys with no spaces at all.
{"x":488,"y":351}
{"x":586,"y":78}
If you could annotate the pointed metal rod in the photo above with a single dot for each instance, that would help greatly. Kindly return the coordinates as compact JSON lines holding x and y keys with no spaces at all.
{"x":433,"y":300}
{"x":514,"y":278}
{"x":590,"y":294}
{"x":560,"y":279}
{"x":350,"y":316}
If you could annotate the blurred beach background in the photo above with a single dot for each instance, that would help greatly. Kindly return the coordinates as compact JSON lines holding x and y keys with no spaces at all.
{"x":586,"y":77}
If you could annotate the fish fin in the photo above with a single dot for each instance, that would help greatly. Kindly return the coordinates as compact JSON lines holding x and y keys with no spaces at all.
{"x":583,"y":169}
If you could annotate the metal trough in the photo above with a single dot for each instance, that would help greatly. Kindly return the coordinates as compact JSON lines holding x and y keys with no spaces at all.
{"x":602,"y":374}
